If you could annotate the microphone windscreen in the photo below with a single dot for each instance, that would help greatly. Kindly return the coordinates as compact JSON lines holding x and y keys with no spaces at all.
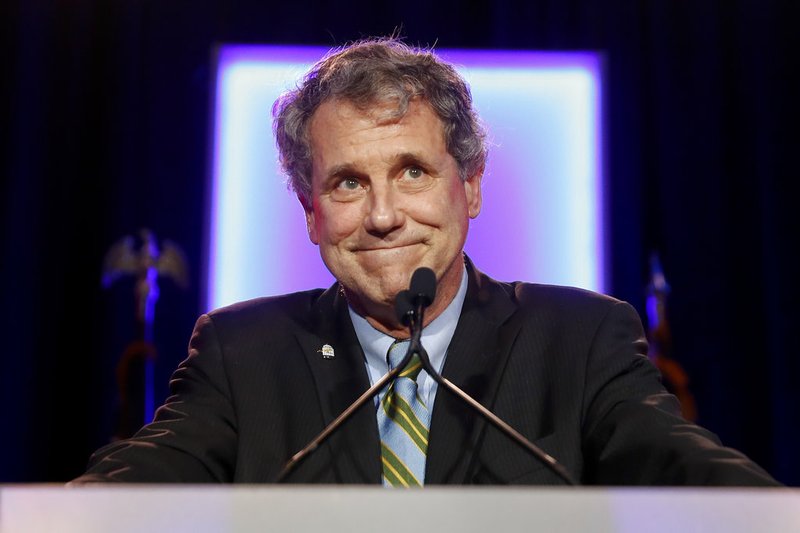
{"x":403,"y":307}
{"x":423,"y":286}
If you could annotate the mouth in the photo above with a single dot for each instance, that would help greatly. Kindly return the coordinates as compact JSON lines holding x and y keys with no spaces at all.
{"x":392,"y":248}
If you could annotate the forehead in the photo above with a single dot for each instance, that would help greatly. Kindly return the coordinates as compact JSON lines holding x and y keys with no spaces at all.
{"x":345,"y":136}
{"x":334,"y":112}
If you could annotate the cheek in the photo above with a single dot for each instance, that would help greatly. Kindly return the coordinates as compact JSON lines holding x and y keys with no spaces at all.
{"x":444,"y":209}
{"x":333,"y":225}
{"x":455,"y":202}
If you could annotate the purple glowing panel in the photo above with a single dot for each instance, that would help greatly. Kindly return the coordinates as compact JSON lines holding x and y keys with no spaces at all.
{"x":542,"y":215}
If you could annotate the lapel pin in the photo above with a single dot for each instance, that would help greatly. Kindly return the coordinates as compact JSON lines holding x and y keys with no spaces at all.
{"x":327,"y":351}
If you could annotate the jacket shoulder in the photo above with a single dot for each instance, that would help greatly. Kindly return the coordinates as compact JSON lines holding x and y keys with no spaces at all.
{"x":279,"y":312}
{"x":525,"y":291}
{"x":560,"y":299}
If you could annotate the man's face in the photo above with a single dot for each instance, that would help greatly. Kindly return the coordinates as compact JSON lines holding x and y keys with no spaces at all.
{"x":386,"y":199}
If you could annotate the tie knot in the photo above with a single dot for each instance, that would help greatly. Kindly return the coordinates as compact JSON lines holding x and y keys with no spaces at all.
{"x":397,"y":351}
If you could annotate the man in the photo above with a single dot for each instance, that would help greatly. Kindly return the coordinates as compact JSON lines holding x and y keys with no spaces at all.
{"x":386,"y":155}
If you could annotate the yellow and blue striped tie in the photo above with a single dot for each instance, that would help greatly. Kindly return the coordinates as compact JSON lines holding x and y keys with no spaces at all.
{"x":403,"y":421}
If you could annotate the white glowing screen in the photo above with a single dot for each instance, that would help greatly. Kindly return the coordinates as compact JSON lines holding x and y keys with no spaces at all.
{"x":542,"y":216}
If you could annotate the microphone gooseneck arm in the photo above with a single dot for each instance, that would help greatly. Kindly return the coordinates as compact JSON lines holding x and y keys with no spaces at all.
{"x":498,"y":422}
{"x":335,"y":423}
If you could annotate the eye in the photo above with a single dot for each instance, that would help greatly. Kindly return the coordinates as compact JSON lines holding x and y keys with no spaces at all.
{"x":349,"y":184}
{"x":414,"y":178}
{"x":414,"y":173}
{"x":347,"y":189}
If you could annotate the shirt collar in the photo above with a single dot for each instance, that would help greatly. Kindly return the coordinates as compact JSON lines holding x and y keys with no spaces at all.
{"x":436,"y":336}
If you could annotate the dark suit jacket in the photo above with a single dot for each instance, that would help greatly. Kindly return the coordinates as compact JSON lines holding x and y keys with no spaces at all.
{"x":565,"y":367}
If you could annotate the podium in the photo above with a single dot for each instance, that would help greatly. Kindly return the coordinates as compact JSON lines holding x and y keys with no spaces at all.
{"x":332,"y":509}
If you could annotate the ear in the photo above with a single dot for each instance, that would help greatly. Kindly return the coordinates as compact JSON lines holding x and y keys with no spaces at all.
{"x":311,"y":226}
{"x":472,"y":189}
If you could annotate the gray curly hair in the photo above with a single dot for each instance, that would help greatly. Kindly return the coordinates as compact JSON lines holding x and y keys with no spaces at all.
{"x":371,"y":72}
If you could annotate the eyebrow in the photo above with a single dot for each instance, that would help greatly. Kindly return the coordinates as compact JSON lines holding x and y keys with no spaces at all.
{"x":399,"y":161}
{"x":341,"y":170}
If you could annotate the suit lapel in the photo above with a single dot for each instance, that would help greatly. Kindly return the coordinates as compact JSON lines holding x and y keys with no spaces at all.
{"x":355,"y":447}
{"x":475,"y":361}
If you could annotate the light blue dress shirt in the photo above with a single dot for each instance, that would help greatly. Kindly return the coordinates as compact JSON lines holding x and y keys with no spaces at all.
{"x":435,"y":338}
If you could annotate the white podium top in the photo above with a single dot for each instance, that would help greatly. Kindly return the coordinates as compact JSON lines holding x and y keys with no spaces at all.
{"x":196,"y":509}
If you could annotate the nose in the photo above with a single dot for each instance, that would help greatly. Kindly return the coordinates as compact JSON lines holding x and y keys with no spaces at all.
{"x":384,"y":213}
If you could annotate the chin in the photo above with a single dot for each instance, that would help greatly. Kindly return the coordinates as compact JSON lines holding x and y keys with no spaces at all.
{"x":388,"y":292}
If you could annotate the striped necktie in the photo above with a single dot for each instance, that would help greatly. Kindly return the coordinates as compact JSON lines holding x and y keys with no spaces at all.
{"x":403,"y":421}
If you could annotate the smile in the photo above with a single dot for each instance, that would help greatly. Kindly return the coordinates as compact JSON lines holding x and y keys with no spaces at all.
{"x":387,"y":248}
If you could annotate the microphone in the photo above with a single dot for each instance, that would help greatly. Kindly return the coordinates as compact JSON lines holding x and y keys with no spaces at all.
{"x":404,"y":308}
{"x":423,"y":287}
{"x":410,"y":310}
{"x":421,"y":292}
